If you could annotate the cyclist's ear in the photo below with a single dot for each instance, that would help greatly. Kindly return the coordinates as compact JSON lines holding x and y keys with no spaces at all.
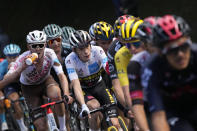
{"x":28,"y":47}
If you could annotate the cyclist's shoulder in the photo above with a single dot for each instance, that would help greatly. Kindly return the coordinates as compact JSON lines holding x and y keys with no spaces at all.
{"x":155,"y":62}
{"x":114,"y":46}
{"x":141,"y":57}
{"x":49,"y":51}
{"x":71,"y":57}
{"x":4,"y":63}
{"x":123,"y":53}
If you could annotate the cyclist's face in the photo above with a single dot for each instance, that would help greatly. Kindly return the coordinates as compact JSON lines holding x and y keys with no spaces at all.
{"x":135,"y":47}
{"x":84,"y":53}
{"x":55,"y":44}
{"x":37,"y":48}
{"x":11,"y":58}
{"x":179,"y":56}
{"x":104,"y":44}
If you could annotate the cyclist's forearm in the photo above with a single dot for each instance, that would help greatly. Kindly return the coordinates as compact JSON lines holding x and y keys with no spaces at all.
{"x":127,"y":96}
{"x":9,"y":78}
{"x":159,"y":121}
{"x":64,"y":83}
{"x":140,"y":117}
{"x":78,"y":92}
{"x":118,"y":91}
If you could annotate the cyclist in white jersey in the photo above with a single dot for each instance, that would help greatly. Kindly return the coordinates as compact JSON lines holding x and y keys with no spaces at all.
{"x":36,"y":80}
{"x":84,"y":66}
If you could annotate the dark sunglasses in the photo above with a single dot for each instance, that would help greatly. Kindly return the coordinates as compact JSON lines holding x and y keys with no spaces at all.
{"x":34,"y":46}
{"x":12,"y":56}
{"x":50,"y":42}
{"x":135,"y":44}
{"x":174,"y":51}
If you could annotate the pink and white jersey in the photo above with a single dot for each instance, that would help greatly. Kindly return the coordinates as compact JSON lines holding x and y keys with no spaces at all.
{"x":31,"y":76}
{"x":89,"y":73}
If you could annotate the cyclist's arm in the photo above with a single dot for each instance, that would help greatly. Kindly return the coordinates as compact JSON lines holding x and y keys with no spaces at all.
{"x":75,"y":83}
{"x":121,"y":66}
{"x":118,"y":91}
{"x":14,"y":72}
{"x":64,"y":83}
{"x":60,"y":73}
{"x":115,"y":81}
{"x":78,"y":91}
{"x":151,"y":80}
{"x":159,"y":121}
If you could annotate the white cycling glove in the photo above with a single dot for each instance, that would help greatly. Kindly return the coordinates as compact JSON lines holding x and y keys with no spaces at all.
{"x":84,"y":112}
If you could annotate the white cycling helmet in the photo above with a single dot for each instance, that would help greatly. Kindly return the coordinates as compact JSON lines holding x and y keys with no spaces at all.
{"x":36,"y":36}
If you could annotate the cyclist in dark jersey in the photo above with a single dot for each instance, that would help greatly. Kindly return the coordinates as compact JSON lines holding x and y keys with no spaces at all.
{"x":170,"y":77}
{"x":134,"y":69}
{"x":55,"y":41}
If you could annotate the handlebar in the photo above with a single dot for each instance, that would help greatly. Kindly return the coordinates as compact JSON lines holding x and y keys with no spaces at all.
{"x":47,"y":105}
{"x":102,"y":108}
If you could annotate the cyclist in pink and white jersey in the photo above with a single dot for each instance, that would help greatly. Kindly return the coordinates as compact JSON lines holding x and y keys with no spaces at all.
{"x":36,"y":80}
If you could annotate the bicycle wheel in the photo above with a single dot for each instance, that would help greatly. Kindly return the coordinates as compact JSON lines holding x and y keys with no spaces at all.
{"x":74,"y":123}
{"x":122,"y":124}
{"x":11,"y":121}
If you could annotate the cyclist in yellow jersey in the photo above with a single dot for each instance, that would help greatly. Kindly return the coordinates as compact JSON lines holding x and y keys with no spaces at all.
{"x":126,"y":35}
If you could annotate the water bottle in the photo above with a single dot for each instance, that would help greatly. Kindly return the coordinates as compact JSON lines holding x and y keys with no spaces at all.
{"x":31,"y":58}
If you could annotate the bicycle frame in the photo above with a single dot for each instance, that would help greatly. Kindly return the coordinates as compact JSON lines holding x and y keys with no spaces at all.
{"x":49,"y":114}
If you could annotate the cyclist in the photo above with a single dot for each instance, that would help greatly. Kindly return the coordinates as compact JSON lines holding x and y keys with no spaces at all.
{"x":127,"y":33}
{"x":103,"y":34}
{"x":170,"y":77}
{"x":54,"y":41}
{"x":36,"y":80}
{"x":84,"y":66}
{"x":11,"y":51}
{"x":66,"y":33}
{"x":113,"y":48}
{"x":134,"y":69}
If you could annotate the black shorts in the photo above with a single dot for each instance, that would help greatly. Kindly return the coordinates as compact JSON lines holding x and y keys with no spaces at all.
{"x":103,"y":95}
{"x":11,"y":88}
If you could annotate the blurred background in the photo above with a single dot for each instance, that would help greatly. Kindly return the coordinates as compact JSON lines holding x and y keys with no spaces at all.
{"x":18,"y":17}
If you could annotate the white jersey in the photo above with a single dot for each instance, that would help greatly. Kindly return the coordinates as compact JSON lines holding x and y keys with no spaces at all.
{"x":31,"y":76}
{"x":141,"y":57}
{"x":89,"y":73}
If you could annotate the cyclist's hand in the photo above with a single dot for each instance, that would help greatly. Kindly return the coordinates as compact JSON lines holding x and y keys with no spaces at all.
{"x":70,"y":99}
{"x":130,"y":114}
{"x":84,"y":112}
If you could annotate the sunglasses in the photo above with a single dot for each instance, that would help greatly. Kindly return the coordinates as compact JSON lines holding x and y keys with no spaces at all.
{"x":135,"y":44}
{"x":50,"y":42}
{"x":34,"y":46}
{"x":174,"y":51}
{"x":12,"y":56}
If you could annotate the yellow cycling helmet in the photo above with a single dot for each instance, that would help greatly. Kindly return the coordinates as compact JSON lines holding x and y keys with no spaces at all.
{"x":103,"y":31}
{"x":128,"y":30}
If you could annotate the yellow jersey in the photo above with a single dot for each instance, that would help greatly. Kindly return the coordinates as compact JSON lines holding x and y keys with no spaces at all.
{"x":122,"y":58}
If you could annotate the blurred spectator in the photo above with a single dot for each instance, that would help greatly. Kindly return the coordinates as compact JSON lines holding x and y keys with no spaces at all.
{"x":126,"y":7}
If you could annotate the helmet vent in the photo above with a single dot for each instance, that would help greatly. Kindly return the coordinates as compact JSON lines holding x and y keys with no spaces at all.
{"x":173,"y":31}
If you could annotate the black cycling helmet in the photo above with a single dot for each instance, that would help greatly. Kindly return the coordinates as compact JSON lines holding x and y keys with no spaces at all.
{"x":103,"y":31}
{"x":79,"y":39}
{"x":169,"y":28}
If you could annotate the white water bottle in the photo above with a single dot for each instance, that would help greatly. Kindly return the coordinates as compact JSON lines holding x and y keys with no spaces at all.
{"x":31,"y":58}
